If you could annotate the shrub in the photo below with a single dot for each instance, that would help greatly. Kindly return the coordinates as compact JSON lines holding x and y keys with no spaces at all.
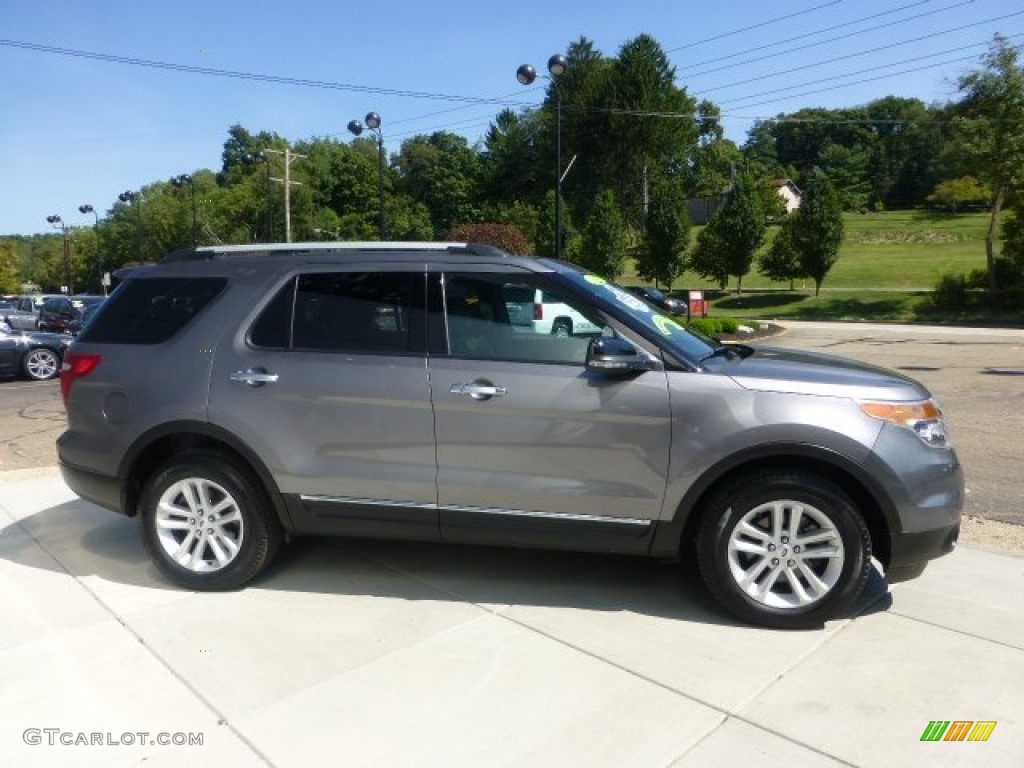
{"x":711,"y":326}
{"x":951,"y":292}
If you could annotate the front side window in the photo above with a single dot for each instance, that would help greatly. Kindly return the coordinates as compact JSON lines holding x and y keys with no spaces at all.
{"x":361,"y":312}
{"x":516,"y":317}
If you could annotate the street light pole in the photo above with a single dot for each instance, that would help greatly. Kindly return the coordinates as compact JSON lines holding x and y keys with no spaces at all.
{"x":373,"y":122}
{"x":58,"y":223}
{"x":526,"y":74}
{"x":83,"y":209}
{"x":180,"y":181}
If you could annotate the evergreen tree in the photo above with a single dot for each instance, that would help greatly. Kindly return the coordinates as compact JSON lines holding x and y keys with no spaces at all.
{"x":603,"y":246}
{"x":817,"y":229}
{"x":667,"y":235}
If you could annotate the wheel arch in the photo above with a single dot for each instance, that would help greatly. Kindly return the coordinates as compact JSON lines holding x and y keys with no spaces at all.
{"x":156,"y":447}
{"x":674,"y":537}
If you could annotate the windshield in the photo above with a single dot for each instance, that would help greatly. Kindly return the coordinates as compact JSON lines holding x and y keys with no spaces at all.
{"x":674,"y":335}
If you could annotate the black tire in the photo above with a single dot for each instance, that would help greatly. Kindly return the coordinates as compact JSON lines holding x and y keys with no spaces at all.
{"x":561,"y":327}
{"x":233,"y":503}
{"x":780,"y":592}
{"x":40,"y":364}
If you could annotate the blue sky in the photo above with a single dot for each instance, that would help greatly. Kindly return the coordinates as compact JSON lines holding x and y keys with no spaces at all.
{"x":76,"y":130}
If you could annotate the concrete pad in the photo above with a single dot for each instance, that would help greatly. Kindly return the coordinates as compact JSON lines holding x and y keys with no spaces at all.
{"x":968,"y":591}
{"x":38,"y":598}
{"x":660,"y":622}
{"x":735,"y":743}
{"x":868,"y":695}
{"x":100,"y":679}
{"x":485,"y":693}
{"x":328,"y":611}
{"x":25,"y":492}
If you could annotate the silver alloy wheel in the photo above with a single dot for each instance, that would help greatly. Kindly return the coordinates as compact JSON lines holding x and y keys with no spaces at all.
{"x":786,"y":554}
{"x":41,"y":364}
{"x":199,"y":525}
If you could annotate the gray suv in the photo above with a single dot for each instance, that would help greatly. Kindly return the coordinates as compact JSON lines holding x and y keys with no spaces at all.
{"x":233,"y":396}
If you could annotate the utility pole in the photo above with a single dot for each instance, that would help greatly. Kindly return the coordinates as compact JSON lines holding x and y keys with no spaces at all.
{"x":289,"y":157}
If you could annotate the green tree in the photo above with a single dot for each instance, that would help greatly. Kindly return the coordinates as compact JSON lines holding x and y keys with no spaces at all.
{"x":956,"y":192}
{"x":667,"y":235}
{"x":817,"y":229}
{"x":781,"y":261}
{"x":442,"y":172}
{"x":737,"y":231}
{"x":641,"y":144}
{"x":990,"y":124}
{"x":10,"y":281}
{"x":604,"y":241}
{"x":706,"y":259}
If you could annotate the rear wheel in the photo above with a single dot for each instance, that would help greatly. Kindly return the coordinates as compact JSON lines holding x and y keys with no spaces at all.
{"x":784,"y":549}
{"x":207,"y":524}
{"x":40,"y":364}
{"x":561,"y":328}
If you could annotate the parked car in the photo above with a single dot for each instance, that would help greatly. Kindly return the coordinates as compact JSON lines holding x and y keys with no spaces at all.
{"x":31,"y":354}
{"x":24,"y":316}
{"x":233,"y":396}
{"x":661,"y":300}
{"x":58,"y":312}
{"x":75,"y":326}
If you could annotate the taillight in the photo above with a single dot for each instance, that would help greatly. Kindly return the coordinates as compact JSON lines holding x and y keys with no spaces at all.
{"x":74,"y":367}
{"x":538,"y":311}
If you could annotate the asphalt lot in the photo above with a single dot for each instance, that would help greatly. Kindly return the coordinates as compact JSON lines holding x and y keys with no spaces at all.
{"x":362,"y":653}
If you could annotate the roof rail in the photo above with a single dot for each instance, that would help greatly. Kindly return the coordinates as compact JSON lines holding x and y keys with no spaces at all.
{"x":213,"y":251}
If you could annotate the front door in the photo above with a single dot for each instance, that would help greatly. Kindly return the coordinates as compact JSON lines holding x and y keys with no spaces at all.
{"x":532,"y":448}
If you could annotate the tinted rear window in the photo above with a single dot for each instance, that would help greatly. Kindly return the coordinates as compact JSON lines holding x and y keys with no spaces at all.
{"x":151,"y":310}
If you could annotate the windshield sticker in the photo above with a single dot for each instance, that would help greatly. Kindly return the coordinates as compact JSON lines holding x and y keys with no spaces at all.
{"x":667,"y":325}
{"x":627,"y":298}
{"x":595,"y":280}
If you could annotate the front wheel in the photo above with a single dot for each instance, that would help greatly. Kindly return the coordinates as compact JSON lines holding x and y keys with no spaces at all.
{"x":207,"y":524}
{"x":784,"y":549}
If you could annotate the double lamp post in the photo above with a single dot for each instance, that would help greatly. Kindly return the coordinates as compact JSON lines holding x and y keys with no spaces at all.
{"x":526,"y":75}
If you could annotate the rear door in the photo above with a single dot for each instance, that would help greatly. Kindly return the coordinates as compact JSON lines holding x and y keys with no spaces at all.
{"x":532,"y":448}
{"x":329,"y":385}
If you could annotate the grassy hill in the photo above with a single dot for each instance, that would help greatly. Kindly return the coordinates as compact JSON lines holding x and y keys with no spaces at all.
{"x":888,"y":264}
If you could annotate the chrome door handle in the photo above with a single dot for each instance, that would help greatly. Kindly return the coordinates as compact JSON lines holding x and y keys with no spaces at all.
{"x":478,"y":390}
{"x":254,"y":377}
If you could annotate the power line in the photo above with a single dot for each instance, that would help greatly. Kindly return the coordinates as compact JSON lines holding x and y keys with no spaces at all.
{"x":759,"y":94}
{"x":806,"y":35}
{"x":753,"y":26}
{"x":857,"y":54}
{"x":245,"y":75}
{"x":837,"y":39}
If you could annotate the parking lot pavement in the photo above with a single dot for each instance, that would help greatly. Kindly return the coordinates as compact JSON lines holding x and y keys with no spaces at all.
{"x":363,"y":653}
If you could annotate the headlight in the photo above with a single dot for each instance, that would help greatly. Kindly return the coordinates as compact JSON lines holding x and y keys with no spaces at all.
{"x":924,"y":418}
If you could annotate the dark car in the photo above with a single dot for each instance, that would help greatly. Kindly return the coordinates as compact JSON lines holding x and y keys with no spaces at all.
{"x":31,"y":354}
{"x":76,"y":326}
{"x":659,"y":299}
{"x":58,"y":312}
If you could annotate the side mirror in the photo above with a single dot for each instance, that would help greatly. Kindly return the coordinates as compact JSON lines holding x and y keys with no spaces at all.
{"x":613,"y":356}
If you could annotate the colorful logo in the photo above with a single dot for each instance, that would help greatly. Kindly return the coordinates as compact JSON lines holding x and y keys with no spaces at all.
{"x":958,"y":730}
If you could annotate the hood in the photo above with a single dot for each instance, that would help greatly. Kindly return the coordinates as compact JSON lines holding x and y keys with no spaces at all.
{"x":771,"y":369}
